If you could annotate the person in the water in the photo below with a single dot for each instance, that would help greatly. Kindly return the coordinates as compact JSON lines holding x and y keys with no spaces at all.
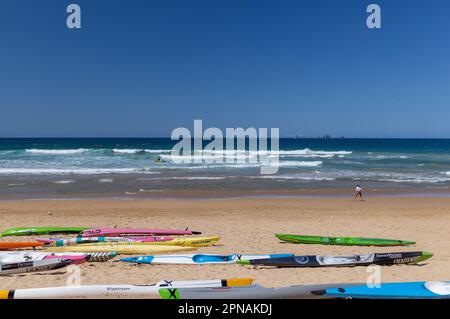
{"x":159,"y":160}
{"x":358,"y":192}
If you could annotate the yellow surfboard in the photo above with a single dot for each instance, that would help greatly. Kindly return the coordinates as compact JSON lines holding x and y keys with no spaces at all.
{"x":179,"y":241}
{"x":189,"y":241}
{"x":122,"y":249}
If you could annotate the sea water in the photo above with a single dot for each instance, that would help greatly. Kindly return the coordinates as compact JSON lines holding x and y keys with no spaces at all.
{"x":125,"y":167}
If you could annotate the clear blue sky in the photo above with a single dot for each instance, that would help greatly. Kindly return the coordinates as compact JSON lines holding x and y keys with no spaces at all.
{"x":142,"y":68}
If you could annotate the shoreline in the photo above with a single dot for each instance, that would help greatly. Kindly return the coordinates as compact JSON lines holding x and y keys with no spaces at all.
{"x":443,"y":192}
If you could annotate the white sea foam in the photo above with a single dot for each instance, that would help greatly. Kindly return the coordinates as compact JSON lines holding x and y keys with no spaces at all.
{"x":137,"y":151}
{"x":123,"y":151}
{"x":391,"y":157}
{"x":157,"y":151}
{"x":238,"y":165}
{"x":296,"y":177}
{"x":127,"y":151}
{"x":62,"y":171}
{"x":56,"y":152}
{"x":193,"y":178}
{"x":298,"y":163}
{"x":105,"y":180}
{"x":212,"y":166}
{"x":361,"y":176}
{"x":310,"y":153}
{"x":245,"y":154}
{"x":206,"y":158}
{"x":241,"y":165}
{"x":239,"y":159}
{"x":415,"y":180}
{"x":399,"y":177}
{"x":64,"y":182}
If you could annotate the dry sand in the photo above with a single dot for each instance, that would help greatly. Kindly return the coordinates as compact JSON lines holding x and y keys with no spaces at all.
{"x":247,"y":226}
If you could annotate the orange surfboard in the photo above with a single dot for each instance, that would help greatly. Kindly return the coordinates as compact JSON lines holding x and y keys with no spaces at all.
{"x":12,"y":245}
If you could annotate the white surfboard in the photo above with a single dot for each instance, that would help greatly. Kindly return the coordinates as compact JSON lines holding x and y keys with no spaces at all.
{"x":23,"y":256}
{"x":32,"y":266}
{"x":198,"y":259}
{"x":97,"y":291}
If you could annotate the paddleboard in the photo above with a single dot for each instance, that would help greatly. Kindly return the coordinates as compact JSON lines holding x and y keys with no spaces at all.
{"x":14,"y":245}
{"x":32,"y":266}
{"x":60,"y":242}
{"x":90,"y":257}
{"x":122,"y":249}
{"x":399,"y":290}
{"x":134,"y":231}
{"x":344,"y":241}
{"x":192,"y":259}
{"x":28,"y":231}
{"x":22,"y":256}
{"x":336,"y":261}
{"x":73,"y":259}
{"x":186,"y":241}
{"x":98,"y":291}
{"x":247,"y":292}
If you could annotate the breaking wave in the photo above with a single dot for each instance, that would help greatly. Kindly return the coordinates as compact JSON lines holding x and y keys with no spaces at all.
{"x":56,"y":152}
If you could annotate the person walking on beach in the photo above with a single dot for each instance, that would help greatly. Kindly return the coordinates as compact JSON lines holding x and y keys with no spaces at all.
{"x":358,"y":193}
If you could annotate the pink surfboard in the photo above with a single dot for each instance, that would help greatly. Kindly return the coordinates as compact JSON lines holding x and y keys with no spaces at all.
{"x":74,"y":259}
{"x":46,"y":240}
{"x":148,"y":239}
{"x":86,"y":240}
{"x":128,"y":232}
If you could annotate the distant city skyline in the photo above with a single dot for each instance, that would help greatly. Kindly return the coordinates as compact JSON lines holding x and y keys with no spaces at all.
{"x":143,"y":68}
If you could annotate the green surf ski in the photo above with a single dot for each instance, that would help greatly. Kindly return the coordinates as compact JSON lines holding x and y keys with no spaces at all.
{"x":344,"y":241}
{"x":28,"y":231}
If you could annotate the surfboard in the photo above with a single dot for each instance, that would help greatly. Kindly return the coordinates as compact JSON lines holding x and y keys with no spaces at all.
{"x":185,"y":241}
{"x":59,"y":242}
{"x":122,"y":249}
{"x":135,"y":232}
{"x":32,"y":266}
{"x":28,"y":231}
{"x":192,"y":259}
{"x":98,"y":291}
{"x":247,"y":292}
{"x":399,"y":290}
{"x":339,"y":261}
{"x":15,"y":245}
{"x":344,"y":241}
{"x":23,"y":256}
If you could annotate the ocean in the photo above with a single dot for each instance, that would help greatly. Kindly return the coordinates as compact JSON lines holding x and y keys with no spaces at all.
{"x":126,"y":167}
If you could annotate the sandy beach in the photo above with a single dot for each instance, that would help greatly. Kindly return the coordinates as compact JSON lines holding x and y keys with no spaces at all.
{"x":247,"y":226}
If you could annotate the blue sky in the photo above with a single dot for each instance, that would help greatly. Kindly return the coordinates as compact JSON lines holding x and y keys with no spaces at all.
{"x":142,"y":68}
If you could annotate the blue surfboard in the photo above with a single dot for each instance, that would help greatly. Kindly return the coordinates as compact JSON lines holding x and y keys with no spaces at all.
{"x":198,"y":258}
{"x":400,"y":290}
